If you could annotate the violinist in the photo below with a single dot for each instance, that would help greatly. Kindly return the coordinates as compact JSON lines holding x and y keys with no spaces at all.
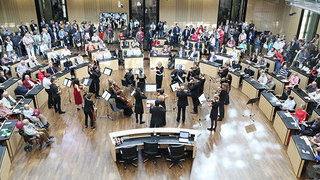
{"x":214,"y":104}
{"x":157,"y":115}
{"x":223,"y":98}
{"x":122,"y":103}
{"x":223,"y":72}
{"x":182,"y":95}
{"x":194,"y":85}
{"x":88,"y":109}
{"x":95,"y":74}
{"x":129,"y":78}
{"x":178,"y":73}
{"x":162,"y":97}
{"x":139,"y":96}
{"x":202,"y":80}
{"x":195,"y":72}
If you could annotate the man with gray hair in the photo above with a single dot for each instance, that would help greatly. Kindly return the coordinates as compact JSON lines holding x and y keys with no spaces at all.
{"x":7,"y":100}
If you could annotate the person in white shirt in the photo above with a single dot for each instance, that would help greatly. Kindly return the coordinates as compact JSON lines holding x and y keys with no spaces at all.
{"x":234,"y":54}
{"x":135,"y":43}
{"x":7,"y":100}
{"x":66,"y":51}
{"x":289,"y":104}
{"x":33,"y":62}
{"x":95,"y":38}
{"x":130,"y":52}
{"x":44,"y":48}
{"x":22,"y":68}
{"x":107,"y":54}
{"x":315,"y":96}
{"x":136,"y":51}
{"x":101,"y":45}
{"x":98,"y":56}
{"x":46,"y":84}
{"x":79,"y":59}
{"x":40,"y":119}
{"x":242,"y":36}
{"x":263,"y":79}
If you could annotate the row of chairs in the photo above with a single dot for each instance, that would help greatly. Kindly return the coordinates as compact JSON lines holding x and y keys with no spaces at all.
{"x":151,"y":151}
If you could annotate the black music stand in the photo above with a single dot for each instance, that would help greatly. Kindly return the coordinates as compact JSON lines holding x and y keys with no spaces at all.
{"x":251,"y":101}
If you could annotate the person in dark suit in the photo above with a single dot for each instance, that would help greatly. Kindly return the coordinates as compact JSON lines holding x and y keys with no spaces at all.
{"x":195,"y":71}
{"x":129,"y":78}
{"x":223,"y":72}
{"x":310,"y":128}
{"x":186,"y":34}
{"x":21,"y":89}
{"x":236,"y":65}
{"x":182,"y":95}
{"x":138,"y":109}
{"x":51,"y":70}
{"x":202,"y":80}
{"x":176,"y":33}
{"x":248,"y":71}
{"x":95,"y":85}
{"x":149,"y":39}
{"x":178,"y":73}
{"x":67,"y":64}
{"x":118,"y":55}
{"x":121,"y":103}
{"x":223,"y":98}
{"x":157,"y":115}
{"x":56,"y":96}
{"x":3,"y":77}
{"x":194,"y":86}
{"x":88,"y":109}
{"x":215,"y":104}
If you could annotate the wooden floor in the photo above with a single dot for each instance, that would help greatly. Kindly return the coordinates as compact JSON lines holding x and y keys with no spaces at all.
{"x":229,"y":153}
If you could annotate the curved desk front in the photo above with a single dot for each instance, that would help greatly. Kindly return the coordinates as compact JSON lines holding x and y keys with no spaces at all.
{"x":210,"y":69}
{"x":187,"y":62}
{"x":154,"y":60}
{"x":109,"y":63}
{"x":133,"y":62}
{"x":164,"y":136}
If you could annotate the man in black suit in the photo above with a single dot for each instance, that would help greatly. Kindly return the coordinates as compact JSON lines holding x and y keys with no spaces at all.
{"x":149,"y":39}
{"x":194,"y":86}
{"x":157,"y":115}
{"x":95,"y":85}
{"x":182,"y":103}
{"x":21,"y":89}
{"x":186,"y":34}
{"x":56,"y":96}
{"x":310,"y":128}
{"x":176,"y":33}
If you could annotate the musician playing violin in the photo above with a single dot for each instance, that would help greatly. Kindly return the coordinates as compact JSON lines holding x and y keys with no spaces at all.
{"x":88,"y":109}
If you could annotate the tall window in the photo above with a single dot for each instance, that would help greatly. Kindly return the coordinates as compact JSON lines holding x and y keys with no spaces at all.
{"x":234,"y":10}
{"x":308,"y":25}
{"x":51,"y":10}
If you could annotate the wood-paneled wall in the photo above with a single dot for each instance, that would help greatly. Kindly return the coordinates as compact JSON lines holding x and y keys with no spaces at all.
{"x":185,"y":12}
{"x":13,"y":12}
{"x":88,"y":10}
{"x":273,"y":15}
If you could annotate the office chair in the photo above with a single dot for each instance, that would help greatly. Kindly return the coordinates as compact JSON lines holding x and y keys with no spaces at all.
{"x":151,"y":150}
{"x":129,"y":155}
{"x":113,"y":108}
{"x":176,"y":155}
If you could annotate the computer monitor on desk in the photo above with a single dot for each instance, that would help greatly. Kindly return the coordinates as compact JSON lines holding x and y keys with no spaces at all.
{"x":184,"y":136}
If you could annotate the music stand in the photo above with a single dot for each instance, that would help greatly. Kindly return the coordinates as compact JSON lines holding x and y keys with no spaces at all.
{"x":106,"y":96}
{"x":251,"y":101}
{"x":107,"y":71}
{"x":67,"y":82}
{"x":86,"y":81}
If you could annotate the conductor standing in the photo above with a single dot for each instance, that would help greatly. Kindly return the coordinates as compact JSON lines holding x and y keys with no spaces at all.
{"x":56,"y":96}
{"x":95,"y":76}
{"x":194,"y":86}
{"x":182,"y":103}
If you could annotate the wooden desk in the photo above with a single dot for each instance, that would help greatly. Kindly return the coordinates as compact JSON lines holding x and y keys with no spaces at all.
{"x":314,"y":115}
{"x":272,"y":63}
{"x":210,"y":69}
{"x":303,"y":76}
{"x":18,"y":108}
{"x":154,"y":60}
{"x":5,"y":163}
{"x":10,"y":85}
{"x":60,"y":76}
{"x":253,"y":67}
{"x":285,"y":126}
{"x":187,"y":62}
{"x":229,"y":50}
{"x":225,"y":58}
{"x":39,"y":95}
{"x":144,"y":134}
{"x":12,"y":140}
{"x":14,"y":66}
{"x":72,"y":58}
{"x":299,"y":159}
{"x":133,"y":62}
{"x":280,"y":83}
{"x":300,"y":97}
{"x":251,"y":88}
{"x":35,"y":70}
{"x":81,"y":70}
{"x":267,"y":104}
{"x":110,"y":63}
{"x":236,"y":78}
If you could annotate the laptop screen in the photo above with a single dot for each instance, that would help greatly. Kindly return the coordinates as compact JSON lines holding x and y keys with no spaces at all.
{"x":184,"y":134}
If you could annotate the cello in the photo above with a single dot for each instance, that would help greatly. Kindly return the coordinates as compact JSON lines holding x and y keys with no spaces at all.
{"x":122,"y":95}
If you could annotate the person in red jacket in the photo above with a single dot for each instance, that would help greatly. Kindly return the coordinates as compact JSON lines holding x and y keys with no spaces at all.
{"x":121,"y":36}
{"x":301,"y":114}
{"x":42,"y":73}
{"x":28,"y":82}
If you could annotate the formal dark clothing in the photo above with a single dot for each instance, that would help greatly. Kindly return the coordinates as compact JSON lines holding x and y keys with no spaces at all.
{"x":21,"y":90}
{"x":214,"y":114}
{"x":3,"y":79}
{"x":311,"y":129}
{"x":52,"y":70}
{"x":159,"y":76}
{"x":95,"y":85}
{"x":67,"y":65}
{"x":129,"y":77}
{"x":88,"y":110}
{"x":182,"y":104}
{"x":56,"y":97}
{"x":141,"y":81}
{"x":223,"y":97}
{"x":122,"y":104}
{"x":138,"y":109}
{"x":195,"y":93}
{"x":157,"y":117}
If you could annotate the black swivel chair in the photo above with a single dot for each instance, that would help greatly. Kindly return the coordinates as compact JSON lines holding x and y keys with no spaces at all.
{"x":176,"y":155}
{"x":129,"y":155}
{"x":151,"y":150}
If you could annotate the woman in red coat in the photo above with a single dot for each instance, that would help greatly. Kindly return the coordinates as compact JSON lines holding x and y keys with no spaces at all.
{"x":77,"y":93}
{"x":28,"y":82}
{"x":301,"y":114}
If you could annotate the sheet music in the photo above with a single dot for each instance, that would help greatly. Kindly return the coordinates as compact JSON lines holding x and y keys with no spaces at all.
{"x":85,"y":82}
{"x":107,"y":71}
{"x":150,"y":101}
{"x":69,"y":83}
{"x":175,"y":86}
{"x":151,"y":88}
{"x":65,"y":82}
{"x":106,"y":95}
{"x":202,"y":99}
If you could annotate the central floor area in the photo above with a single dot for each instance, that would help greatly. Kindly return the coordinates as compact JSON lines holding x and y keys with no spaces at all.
{"x":229,"y":153}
